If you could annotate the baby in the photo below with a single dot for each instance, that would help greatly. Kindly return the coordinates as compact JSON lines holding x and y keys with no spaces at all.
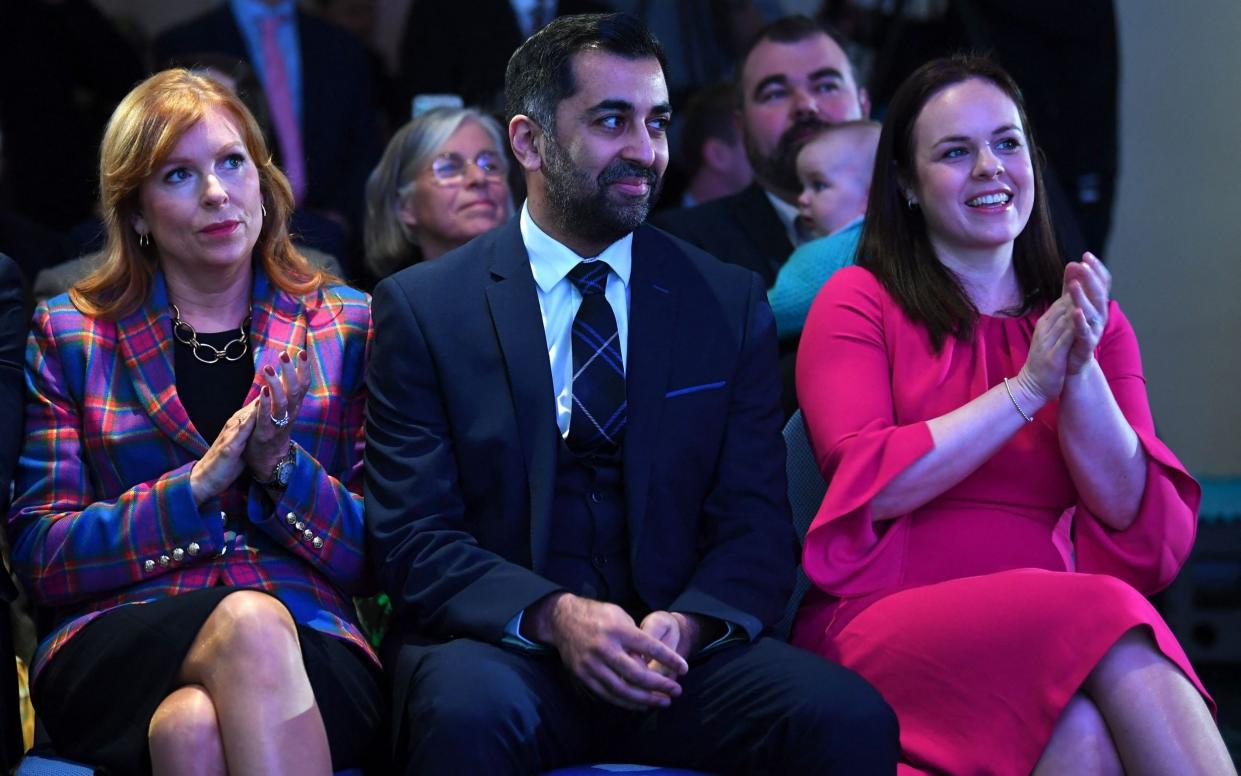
{"x":835,"y":169}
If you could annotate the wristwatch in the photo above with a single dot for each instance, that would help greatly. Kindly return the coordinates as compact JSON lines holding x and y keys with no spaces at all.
{"x":282,"y":472}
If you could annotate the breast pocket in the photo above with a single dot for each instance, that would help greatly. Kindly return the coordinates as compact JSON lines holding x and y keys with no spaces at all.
{"x":692,"y":389}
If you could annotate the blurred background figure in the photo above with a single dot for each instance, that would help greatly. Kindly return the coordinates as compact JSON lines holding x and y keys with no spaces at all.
{"x":456,"y":47}
{"x":441,"y":182}
{"x":65,"y":67}
{"x":794,"y":79}
{"x":712,"y":161}
{"x":318,"y":84}
{"x":360,"y":17}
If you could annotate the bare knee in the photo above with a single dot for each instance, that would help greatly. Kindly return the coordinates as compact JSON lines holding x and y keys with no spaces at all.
{"x":1080,"y":741}
{"x":248,"y":633}
{"x":1134,"y":651}
{"x":184,"y":734}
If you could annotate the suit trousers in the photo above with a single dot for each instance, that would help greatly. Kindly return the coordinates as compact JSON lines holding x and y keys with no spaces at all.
{"x":465,"y":706}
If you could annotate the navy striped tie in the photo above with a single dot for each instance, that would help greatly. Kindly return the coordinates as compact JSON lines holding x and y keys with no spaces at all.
{"x":597,"y":422}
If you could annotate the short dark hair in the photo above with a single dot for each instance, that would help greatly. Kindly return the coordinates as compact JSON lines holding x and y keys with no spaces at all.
{"x":708,"y":114}
{"x":895,"y":246}
{"x":539,"y":75}
{"x":790,"y":29}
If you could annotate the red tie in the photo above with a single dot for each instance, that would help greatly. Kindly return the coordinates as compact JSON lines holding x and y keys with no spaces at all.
{"x":280,"y":102}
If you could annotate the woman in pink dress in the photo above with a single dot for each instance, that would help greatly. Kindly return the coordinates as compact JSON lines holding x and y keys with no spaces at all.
{"x":998,"y":503}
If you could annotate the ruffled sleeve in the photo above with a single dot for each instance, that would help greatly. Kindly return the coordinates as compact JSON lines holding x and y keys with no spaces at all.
{"x":844,"y":387}
{"x":1149,"y":553}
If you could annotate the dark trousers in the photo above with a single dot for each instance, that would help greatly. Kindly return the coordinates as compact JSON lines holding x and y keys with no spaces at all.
{"x":764,"y":707}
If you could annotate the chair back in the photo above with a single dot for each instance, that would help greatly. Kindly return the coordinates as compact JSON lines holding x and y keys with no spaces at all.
{"x":806,"y":490}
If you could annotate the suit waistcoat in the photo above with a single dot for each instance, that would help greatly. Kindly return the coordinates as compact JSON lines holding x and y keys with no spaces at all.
{"x":588,"y":544}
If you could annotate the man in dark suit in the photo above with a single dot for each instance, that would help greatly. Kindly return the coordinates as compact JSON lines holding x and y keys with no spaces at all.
{"x":339,"y":134}
{"x":795,"y":78}
{"x":575,"y":473}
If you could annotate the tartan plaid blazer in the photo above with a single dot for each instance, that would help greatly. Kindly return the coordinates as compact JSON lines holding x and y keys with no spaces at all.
{"x":103,"y":515}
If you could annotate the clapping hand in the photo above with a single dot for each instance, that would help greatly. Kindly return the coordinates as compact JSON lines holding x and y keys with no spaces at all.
{"x":1088,"y":284}
{"x":1042,"y":376}
{"x":285,"y":385}
{"x":223,"y":462}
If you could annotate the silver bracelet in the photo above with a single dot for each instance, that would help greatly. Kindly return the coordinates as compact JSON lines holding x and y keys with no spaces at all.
{"x":1015,"y":404}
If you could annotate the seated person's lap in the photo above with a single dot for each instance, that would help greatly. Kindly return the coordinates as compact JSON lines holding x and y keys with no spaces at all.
{"x":97,"y":695}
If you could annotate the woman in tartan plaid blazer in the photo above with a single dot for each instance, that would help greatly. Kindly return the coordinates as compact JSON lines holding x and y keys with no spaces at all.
{"x":240,"y":537}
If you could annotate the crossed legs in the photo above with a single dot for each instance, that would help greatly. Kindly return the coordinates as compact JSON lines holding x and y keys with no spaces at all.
{"x":1136,"y":713}
{"x":246,"y":705}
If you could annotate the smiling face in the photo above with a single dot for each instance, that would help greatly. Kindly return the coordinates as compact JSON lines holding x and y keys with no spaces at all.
{"x":973,"y":177}
{"x":789,"y":91}
{"x":445,"y":214}
{"x":202,"y":205}
{"x":603,"y":169}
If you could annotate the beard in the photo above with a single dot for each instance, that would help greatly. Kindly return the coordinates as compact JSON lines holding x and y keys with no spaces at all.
{"x":587,"y":207}
{"x":779,"y":169}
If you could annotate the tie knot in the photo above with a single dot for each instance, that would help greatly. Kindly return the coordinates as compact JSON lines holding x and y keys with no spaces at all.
{"x":590,"y":277}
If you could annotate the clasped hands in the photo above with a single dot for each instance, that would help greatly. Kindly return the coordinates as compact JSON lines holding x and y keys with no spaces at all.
{"x":1066,"y":336}
{"x":256,"y":435}
{"x":629,"y":665}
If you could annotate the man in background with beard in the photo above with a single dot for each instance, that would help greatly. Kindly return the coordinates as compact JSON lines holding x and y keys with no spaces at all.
{"x":795,"y":78}
{"x":575,"y":481}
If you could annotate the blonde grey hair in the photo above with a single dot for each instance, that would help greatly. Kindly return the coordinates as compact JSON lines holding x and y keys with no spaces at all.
{"x":388,"y":240}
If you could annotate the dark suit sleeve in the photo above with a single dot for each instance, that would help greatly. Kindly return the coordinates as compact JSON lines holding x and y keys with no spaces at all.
{"x":12,"y":339}
{"x":441,"y":582}
{"x":747,"y":567}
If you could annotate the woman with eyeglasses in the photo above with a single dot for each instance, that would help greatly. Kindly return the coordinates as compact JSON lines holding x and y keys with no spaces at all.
{"x":442,"y":181}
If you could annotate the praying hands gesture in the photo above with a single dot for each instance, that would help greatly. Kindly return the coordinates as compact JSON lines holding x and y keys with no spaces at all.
{"x":285,"y":385}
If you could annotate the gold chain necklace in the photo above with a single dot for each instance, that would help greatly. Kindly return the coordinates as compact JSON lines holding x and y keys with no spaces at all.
{"x":209,"y":354}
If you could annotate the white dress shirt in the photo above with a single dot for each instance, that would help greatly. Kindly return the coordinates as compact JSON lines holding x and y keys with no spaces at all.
{"x":559,"y":299}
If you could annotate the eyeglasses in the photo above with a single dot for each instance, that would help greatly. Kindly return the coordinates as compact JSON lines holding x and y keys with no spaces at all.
{"x":449,"y":168}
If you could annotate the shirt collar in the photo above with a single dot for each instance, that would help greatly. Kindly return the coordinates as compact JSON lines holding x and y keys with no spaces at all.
{"x":788,"y":216}
{"x":551,"y":261}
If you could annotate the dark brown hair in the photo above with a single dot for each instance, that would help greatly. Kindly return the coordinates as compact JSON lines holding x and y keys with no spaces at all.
{"x":142,"y":132}
{"x":539,"y":75}
{"x":895,"y":246}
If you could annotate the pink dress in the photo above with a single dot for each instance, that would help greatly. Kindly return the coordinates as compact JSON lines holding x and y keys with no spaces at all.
{"x":978,"y":615}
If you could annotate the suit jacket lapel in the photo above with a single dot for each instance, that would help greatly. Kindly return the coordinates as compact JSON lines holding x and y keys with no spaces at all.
{"x":756,"y":216}
{"x":513,"y":301}
{"x":146,"y":344}
{"x":277,"y":324}
{"x":652,"y":321}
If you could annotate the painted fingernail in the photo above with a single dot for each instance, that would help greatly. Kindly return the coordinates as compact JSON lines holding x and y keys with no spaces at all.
{"x":284,"y":357}
{"x":302,"y":355}
{"x":269,"y":370}
{"x":264,"y":390}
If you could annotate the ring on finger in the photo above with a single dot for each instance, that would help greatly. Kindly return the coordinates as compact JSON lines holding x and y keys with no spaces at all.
{"x":282,"y":421}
